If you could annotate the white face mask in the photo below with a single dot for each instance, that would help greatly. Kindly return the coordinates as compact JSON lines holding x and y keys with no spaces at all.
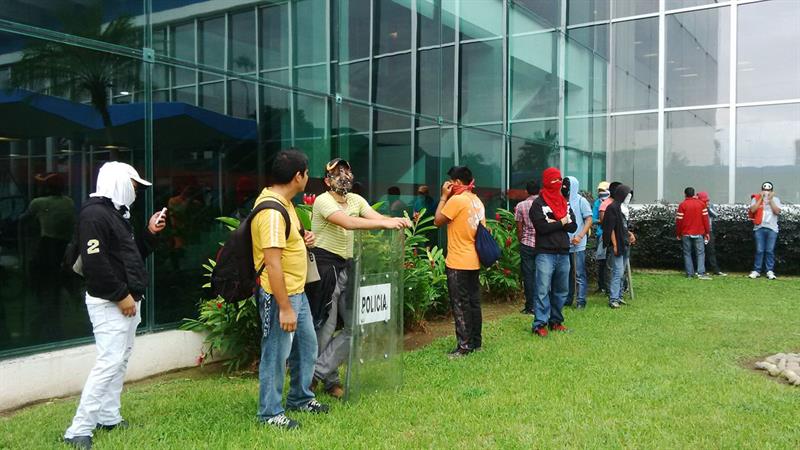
{"x":114,"y":182}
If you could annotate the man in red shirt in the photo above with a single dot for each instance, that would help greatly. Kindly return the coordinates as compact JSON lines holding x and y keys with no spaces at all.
{"x":692,"y":229}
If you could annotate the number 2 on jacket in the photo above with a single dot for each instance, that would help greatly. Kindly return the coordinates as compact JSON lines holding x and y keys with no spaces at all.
{"x":93,"y":246}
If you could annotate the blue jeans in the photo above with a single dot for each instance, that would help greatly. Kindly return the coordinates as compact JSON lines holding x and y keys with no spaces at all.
{"x":278,"y":346}
{"x":617,"y":264}
{"x":552,"y":273}
{"x":527,"y":259}
{"x":578,"y":270}
{"x":765,"y":245}
{"x":699,"y":246}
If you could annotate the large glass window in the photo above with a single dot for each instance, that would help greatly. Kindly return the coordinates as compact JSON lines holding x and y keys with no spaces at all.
{"x":769,"y":61}
{"x":696,"y":153}
{"x":635,"y":65}
{"x":534,"y":147}
{"x":768,"y":149}
{"x":586,"y":72}
{"x":393,"y":89}
{"x":533,"y":15}
{"x":585,"y":11}
{"x":183,"y":49}
{"x":392,"y":26}
{"x":392,"y":173}
{"x":677,"y":4}
{"x":481,"y":19}
{"x":212,"y":46}
{"x":310,"y":32}
{"x":274,"y":36}
{"x":55,"y":135}
{"x":484,"y":154}
{"x":633,"y":156}
{"x":585,"y":150}
{"x":626,"y":8}
{"x":534,"y":76}
{"x":354,"y":29}
{"x":698,"y":57}
{"x":243,"y":42}
{"x":436,"y":22}
{"x":481,"y":75}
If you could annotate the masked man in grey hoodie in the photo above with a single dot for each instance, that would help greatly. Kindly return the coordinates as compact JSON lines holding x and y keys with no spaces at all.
{"x":112,"y":258}
{"x":577,"y":244}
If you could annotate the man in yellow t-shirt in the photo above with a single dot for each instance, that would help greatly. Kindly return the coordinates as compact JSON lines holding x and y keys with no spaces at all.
{"x":462,"y":211}
{"x":336,"y":213}
{"x":287,"y":328}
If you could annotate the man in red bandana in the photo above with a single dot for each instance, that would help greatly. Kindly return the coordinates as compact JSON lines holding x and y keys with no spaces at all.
{"x":553,"y":220}
{"x":462,"y":211}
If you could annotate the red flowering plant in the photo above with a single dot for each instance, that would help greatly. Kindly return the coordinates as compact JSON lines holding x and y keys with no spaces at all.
{"x":503,"y":280}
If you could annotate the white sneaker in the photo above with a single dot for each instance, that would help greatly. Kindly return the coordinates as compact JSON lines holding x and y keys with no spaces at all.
{"x":771,"y":275}
{"x":754,"y":275}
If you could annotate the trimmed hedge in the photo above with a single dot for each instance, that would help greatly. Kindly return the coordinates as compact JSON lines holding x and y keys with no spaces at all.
{"x":657,"y":247}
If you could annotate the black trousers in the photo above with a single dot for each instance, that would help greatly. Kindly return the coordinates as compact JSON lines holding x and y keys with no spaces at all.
{"x":465,"y":301}
{"x":711,"y":255}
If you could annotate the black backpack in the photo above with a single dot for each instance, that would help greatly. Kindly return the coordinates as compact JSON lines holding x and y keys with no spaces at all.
{"x":234,"y":277}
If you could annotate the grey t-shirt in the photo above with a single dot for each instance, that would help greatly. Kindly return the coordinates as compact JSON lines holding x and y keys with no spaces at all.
{"x":768,"y":220}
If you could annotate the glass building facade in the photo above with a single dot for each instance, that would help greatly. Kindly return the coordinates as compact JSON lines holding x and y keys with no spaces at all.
{"x":197,"y":95}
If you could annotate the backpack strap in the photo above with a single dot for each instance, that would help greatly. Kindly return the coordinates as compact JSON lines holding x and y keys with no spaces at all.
{"x":269,"y":204}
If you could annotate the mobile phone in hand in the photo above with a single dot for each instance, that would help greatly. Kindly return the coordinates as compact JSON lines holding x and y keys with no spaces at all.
{"x":161,"y":215}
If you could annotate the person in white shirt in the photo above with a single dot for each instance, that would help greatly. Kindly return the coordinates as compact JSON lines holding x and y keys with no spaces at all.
{"x":765,"y":230}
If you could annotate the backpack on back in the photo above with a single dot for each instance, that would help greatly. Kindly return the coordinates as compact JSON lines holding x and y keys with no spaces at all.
{"x":486,"y":246}
{"x":234,"y":277}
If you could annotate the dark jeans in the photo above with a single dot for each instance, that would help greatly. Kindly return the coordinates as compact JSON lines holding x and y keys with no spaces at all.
{"x":600,"y":255}
{"x":711,"y":254}
{"x":696,"y":243}
{"x":765,"y":249}
{"x":552,"y":278}
{"x":527,"y":259}
{"x":465,"y":300}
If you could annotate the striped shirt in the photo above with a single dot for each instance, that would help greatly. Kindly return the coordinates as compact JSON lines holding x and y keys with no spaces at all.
{"x":330,"y":236}
{"x":522,"y":216}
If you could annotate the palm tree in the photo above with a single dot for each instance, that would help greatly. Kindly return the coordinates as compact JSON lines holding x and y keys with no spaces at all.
{"x":71,"y":71}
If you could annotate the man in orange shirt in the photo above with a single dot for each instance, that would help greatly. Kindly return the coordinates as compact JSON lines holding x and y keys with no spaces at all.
{"x":461,"y":210}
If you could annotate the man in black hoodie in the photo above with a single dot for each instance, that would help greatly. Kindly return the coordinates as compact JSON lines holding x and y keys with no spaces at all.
{"x":553,"y":219}
{"x":112,"y":260}
{"x":617,"y":239}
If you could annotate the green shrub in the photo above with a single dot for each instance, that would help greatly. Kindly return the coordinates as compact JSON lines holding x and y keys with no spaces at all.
{"x":424,"y":278}
{"x":502,"y":281}
{"x":657,"y":246}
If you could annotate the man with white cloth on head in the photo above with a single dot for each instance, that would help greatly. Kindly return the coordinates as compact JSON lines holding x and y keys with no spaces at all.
{"x":112,"y":260}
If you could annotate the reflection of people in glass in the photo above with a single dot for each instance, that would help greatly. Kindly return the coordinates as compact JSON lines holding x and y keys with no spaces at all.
{"x":184,"y":209}
{"x":246,"y":192}
{"x":336,"y":213}
{"x":55,"y":213}
{"x":396,"y":206}
{"x":424,"y":200}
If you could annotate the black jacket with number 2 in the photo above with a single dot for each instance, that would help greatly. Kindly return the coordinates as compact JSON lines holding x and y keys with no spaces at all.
{"x":113,"y":258}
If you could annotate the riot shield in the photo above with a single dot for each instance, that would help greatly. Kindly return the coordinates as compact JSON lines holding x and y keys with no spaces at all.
{"x":375,"y":362}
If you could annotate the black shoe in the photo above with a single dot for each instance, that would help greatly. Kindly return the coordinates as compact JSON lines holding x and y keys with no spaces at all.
{"x":123,"y":425}
{"x":81,"y":442}
{"x":580,"y":306}
{"x":281,"y":421}
{"x":313,"y":407}
{"x":526,"y":311}
{"x":458,"y":353}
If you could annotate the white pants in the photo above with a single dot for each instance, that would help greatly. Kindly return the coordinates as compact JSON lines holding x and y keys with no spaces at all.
{"x":113,"y":335}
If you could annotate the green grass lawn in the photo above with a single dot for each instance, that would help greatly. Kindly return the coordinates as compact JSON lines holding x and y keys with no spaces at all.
{"x":668,"y":371}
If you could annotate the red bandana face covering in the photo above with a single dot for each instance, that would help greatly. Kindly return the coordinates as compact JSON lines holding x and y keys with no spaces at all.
{"x":551,"y":192}
{"x":461,"y":188}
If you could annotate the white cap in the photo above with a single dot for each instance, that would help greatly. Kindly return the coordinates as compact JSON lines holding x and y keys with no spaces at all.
{"x":135,"y":175}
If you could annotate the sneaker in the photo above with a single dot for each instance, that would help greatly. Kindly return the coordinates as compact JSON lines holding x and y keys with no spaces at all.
{"x":580,"y":306}
{"x":703,"y":277}
{"x":527,"y":311}
{"x":771,"y":275}
{"x":313,"y":407}
{"x":622,"y":302}
{"x":559,"y":327}
{"x":336,"y":391}
{"x":122,"y":425}
{"x":81,"y":442}
{"x":754,"y":275}
{"x":540,"y":331}
{"x":614,"y":305}
{"x":281,"y":421}
{"x":721,"y":274}
{"x":457,"y":353}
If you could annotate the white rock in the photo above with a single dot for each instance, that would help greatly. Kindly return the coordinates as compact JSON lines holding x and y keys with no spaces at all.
{"x":764,"y":365}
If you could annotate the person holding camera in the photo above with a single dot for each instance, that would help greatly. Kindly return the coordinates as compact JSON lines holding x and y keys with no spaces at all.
{"x":764,"y":211}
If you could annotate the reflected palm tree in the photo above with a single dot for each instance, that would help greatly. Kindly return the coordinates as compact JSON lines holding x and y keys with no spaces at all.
{"x":74,"y":72}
